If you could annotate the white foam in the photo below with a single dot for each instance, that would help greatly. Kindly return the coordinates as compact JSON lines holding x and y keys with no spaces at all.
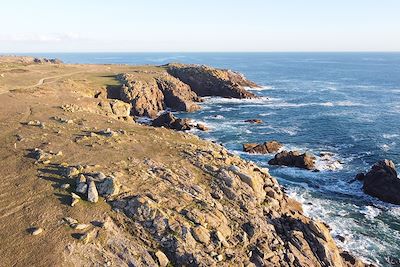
{"x":262,"y":88}
{"x":370,"y":212}
{"x":390,"y":136}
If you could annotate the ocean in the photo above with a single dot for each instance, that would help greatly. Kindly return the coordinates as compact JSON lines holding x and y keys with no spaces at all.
{"x":344,"y":103}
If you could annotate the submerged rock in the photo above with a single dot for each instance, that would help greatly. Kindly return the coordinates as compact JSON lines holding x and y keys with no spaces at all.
{"x":294,"y":159}
{"x":382,"y":182}
{"x":255,"y":121}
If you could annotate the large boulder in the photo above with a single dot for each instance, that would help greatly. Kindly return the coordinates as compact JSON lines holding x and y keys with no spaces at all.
{"x":265,"y":148}
{"x":168,"y":120}
{"x":382,"y":182}
{"x":294,"y":159}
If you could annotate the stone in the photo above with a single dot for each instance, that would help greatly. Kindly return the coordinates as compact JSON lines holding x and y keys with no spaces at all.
{"x":75,"y":199}
{"x":79,"y":226}
{"x":162,"y":258}
{"x":382,"y":182}
{"x":65,"y":186}
{"x":92,"y":194}
{"x":201,"y":234}
{"x":70,"y":221}
{"x":168,"y":120}
{"x":294,"y":159}
{"x":36,"y":230}
{"x":81,"y":188}
{"x":108,"y":187}
{"x":202,"y":127}
{"x":265,"y":148}
{"x":72,"y":171}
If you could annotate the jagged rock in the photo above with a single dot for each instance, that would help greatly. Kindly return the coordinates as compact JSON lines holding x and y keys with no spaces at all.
{"x":255,"y":182}
{"x":108,"y":187}
{"x":294,"y":159}
{"x":162,"y":258}
{"x":382,"y":182}
{"x":141,"y":208}
{"x":207,"y":81}
{"x":47,"y":60}
{"x":202,"y":127}
{"x":265,"y":148}
{"x":201,"y":234}
{"x":92,"y":194}
{"x":255,"y":121}
{"x":177,"y":95}
{"x":119,"y":108}
{"x":179,"y":87}
{"x":168,"y":120}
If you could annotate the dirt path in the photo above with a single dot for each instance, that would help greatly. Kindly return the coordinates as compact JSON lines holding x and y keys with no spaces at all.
{"x":42,"y":81}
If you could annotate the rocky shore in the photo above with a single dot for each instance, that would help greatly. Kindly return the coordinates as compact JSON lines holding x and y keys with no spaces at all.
{"x":85,"y":182}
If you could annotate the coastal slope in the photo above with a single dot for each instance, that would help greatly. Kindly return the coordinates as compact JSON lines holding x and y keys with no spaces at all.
{"x":151,"y":196}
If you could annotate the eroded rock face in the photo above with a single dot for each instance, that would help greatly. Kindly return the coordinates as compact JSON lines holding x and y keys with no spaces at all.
{"x":168,"y":120}
{"x":294,"y":159}
{"x":144,"y":96}
{"x":265,"y":148}
{"x":207,"y":81}
{"x":154,"y":94}
{"x":177,"y":95}
{"x":382,"y":182}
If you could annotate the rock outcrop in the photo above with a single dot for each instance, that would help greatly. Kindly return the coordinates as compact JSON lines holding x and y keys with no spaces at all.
{"x":382,"y":182}
{"x":47,"y":60}
{"x":179,"y":88}
{"x":265,"y":148}
{"x":207,"y":81}
{"x":241,"y":218}
{"x":154,"y":94}
{"x":168,"y":120}
{"x":294,"y":159}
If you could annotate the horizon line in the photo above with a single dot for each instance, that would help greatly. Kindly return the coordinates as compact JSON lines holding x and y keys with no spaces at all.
{"x":182,"y":52}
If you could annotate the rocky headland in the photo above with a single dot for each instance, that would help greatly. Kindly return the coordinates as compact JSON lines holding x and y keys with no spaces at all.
{"x":84,"y":185}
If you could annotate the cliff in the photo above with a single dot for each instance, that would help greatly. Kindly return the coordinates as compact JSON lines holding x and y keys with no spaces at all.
{"x":83,"y":185}
{"x":178,"y":87}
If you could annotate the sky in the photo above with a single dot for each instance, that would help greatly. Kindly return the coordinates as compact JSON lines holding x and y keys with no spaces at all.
{"x":198,"y":26}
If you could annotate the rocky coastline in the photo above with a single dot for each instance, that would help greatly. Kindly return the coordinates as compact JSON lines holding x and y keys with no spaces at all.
{"x":118,"y":193}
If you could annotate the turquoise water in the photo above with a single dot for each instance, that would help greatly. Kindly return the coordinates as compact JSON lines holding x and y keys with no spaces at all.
{"x":344,"y":103}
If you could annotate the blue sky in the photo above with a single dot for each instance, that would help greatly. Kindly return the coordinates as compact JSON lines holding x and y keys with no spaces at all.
{"x":189,"y":25}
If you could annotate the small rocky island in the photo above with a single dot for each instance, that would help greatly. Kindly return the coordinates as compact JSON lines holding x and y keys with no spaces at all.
{"x":83,"y":184}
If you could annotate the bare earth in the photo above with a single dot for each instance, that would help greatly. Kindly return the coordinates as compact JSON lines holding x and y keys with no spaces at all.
{"x":180,"y":200}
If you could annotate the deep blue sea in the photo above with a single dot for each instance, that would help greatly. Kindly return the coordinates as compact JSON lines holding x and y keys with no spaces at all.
{"x":344,"y":103}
